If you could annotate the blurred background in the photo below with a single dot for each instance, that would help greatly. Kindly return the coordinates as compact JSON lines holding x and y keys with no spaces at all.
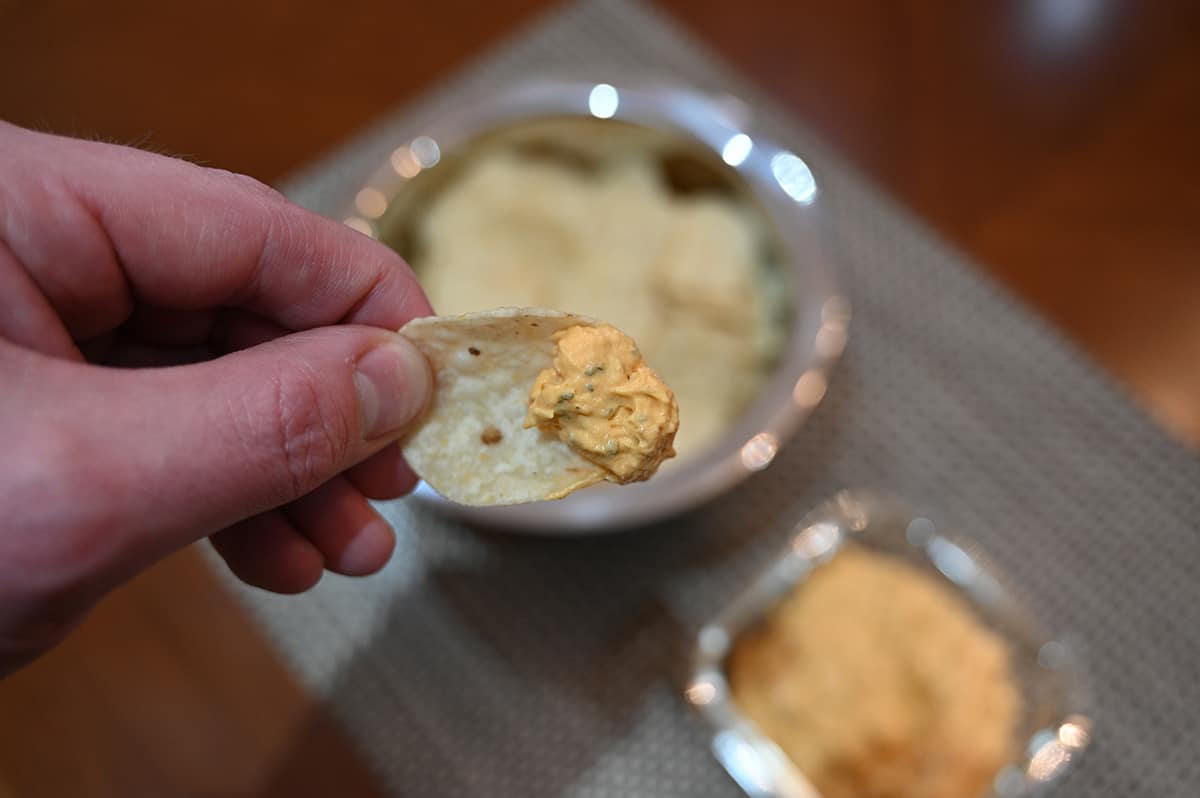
{"x":1053,"y":141}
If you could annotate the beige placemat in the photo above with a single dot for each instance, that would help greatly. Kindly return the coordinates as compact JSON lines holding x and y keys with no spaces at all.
{"x":514,"y":667}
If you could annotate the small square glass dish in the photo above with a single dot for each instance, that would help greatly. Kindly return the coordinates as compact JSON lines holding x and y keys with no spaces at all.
{"x":910,"y":631}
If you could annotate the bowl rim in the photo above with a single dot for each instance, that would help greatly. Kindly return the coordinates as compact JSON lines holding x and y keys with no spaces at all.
{"x":789,"y":195}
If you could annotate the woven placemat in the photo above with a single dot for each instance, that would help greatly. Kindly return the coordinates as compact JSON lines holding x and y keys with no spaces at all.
{"x":496,"y":666}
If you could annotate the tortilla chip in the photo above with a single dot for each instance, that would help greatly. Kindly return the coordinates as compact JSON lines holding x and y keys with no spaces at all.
{"x":471,"y":446}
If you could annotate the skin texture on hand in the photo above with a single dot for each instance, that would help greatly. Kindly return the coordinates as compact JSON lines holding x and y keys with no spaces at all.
{"x":185,"y":354}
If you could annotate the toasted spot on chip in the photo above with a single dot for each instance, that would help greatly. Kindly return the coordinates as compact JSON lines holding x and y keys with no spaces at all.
{"x":491,"y":435}
{"x":474,"y":393}
{"x":473,"y":351}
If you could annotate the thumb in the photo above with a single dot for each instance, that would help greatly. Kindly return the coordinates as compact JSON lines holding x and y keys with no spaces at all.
{"x":107,"y":470}
{"x":189,"y":450}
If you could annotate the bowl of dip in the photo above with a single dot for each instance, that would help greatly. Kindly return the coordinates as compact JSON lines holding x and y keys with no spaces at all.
{"x":883,"y":655}
{"x":657,"y":209}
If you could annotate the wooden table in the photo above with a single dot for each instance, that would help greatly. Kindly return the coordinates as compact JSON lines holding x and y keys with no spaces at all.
{"x":1053,"y":140}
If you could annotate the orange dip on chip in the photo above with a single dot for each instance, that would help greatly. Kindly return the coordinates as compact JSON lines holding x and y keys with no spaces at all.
{"x":603,"y":401}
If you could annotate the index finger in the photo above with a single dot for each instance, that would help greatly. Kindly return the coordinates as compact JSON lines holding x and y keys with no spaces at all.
{"x":186,"y":237}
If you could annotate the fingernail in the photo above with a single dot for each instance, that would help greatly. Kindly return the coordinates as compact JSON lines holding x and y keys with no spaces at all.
{"x":394,"y":383}
{"x":367,"y":551}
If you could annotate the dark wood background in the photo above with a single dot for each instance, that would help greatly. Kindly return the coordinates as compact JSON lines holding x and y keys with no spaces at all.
{"x":1055,"y":141}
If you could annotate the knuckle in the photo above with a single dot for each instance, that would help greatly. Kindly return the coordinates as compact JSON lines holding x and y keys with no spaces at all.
{"x":312,"y":432}
{"x":251,"y":185}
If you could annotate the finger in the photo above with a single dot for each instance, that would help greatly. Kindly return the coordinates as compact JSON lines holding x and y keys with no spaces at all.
{"x":351,"y":536}
{"x":181,"y":236}
{"x":164,"y":456}
{"x":267,"y":551}
{"x":55,"y":237}
{"x":28,"y":320}
{"x":383,"y":475}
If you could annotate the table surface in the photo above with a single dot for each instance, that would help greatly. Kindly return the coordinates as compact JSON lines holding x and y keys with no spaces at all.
{"x":1050,"y":141}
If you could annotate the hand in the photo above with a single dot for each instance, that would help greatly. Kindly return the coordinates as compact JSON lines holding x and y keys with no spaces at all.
{"x":269,"y":393}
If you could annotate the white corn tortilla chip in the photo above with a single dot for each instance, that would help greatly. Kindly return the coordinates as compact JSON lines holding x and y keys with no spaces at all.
{"x":471,"y":446}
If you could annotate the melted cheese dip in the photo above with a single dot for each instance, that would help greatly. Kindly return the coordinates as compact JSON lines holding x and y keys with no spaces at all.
{"x":605,"y":402}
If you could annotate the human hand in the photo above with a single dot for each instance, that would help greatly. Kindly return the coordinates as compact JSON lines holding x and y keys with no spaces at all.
{"x":270,"y":438}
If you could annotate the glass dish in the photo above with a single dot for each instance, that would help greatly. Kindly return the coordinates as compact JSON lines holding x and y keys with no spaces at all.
{"x":1055,"y":723}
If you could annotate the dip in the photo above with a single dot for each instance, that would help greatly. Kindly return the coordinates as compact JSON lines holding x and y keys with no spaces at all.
{"x":682,"y":273}
{"x":879,"y":682}
{"x":605,"y":403}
